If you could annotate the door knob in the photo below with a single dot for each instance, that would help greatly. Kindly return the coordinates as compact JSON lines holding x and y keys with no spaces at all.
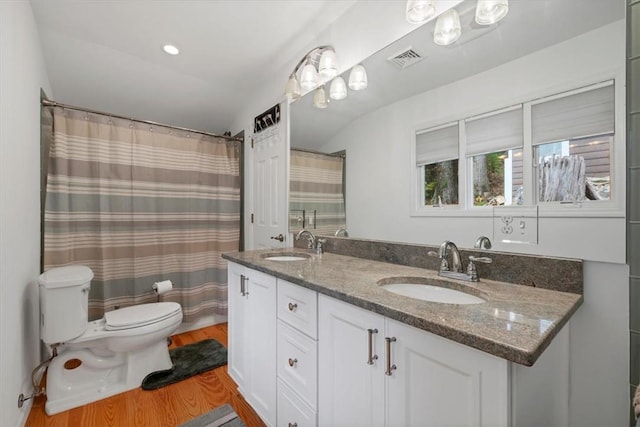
{"x":279,"y":237}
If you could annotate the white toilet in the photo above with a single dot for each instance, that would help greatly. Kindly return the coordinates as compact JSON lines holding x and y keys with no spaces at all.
{"x":101,"y":358}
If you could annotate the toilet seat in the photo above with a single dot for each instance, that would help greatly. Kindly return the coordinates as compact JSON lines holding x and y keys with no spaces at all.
{"x":139,"y":315}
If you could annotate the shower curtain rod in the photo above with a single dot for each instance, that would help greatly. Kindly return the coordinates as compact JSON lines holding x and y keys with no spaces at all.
{"x":304,"y":150}
{"x":49,"y":103}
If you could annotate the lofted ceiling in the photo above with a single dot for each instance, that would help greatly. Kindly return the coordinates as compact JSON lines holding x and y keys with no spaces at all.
{"x":107,"y":55}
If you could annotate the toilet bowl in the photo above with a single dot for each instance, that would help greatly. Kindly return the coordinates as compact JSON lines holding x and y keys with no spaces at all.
{"x":104,"y":357}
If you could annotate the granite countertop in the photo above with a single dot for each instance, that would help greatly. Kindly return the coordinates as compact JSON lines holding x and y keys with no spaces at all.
{"x":515,"y":323}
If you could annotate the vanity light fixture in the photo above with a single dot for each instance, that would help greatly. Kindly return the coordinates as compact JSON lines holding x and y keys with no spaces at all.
{"x":358,"y":78}
{"x":448,"y":28}
{"x":338,"y":89}
{"x":491,"y":11}
{"x":323,"y":57}
{"x":419,"y":11}
{"x":170,"y":49}
{"x":320,"y":98}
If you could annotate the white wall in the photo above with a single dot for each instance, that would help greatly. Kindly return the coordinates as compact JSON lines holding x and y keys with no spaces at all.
{"x":22,"y":75}
{"x":379,"y":203}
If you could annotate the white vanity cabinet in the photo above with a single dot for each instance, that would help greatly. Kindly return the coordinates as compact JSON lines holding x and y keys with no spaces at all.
{"x":303,"y":359}
{"x":252,"y":334}
{"x":409,"y":377}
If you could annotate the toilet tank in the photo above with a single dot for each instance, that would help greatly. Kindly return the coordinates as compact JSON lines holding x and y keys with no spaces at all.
{"x":64,"y":302}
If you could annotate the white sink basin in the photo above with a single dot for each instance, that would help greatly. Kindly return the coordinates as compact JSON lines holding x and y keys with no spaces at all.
{"x":429,"y":292}
{"x":285,"y":257}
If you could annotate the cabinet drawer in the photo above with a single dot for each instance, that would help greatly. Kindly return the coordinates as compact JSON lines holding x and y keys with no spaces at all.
{"x":297,"y":364}
{"x":298,"y":307}
{"x":293,"y":412}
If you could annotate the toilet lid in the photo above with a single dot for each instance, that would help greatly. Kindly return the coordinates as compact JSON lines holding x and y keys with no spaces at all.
{"x":139,"y":315}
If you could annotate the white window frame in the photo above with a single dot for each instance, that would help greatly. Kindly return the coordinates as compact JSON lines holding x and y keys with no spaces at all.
{"x":613,"y":208}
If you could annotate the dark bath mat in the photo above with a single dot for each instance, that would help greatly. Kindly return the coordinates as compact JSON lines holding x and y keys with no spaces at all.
{"x":188,"y":360}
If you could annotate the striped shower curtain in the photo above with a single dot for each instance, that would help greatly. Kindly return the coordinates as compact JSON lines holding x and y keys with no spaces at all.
{"x":316,"y":193}
{"x":139,"y":204}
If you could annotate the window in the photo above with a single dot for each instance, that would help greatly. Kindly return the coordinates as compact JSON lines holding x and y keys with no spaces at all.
{"x":494,"y":150}
{"x":564,"y":154}
{"x":437,"y":157}
{"x":572,"y":135}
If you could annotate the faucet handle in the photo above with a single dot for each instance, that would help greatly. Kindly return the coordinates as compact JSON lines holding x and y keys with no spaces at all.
{"x":482,"y":259}
{"x":433,"y":253}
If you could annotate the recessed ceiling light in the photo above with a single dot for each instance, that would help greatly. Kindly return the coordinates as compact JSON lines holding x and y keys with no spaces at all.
{"x":170,"y":49}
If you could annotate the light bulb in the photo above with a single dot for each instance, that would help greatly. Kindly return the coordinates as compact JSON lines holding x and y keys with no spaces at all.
{"x":308,"y":77}
{"x":419,"y":11}
{"x":491,"y":11}
{"x":320,"y":98}
{"x":358,"y":78}
{"x":328,"y":66}
{"x":338,"y":89}
{"x":292,"y":89}
{"x":448,"y":28}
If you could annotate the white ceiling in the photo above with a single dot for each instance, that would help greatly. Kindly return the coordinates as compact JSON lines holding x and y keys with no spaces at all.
{"x":107,"y":55}
{"x":529,"y":26}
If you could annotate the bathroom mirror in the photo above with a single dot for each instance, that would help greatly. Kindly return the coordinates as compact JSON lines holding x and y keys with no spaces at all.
{"x":380,"y":155}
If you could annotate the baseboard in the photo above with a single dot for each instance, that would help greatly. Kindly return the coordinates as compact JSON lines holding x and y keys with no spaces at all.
{"x":203,"y":322}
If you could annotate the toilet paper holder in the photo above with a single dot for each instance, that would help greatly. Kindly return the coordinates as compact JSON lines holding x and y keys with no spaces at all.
{"x":162,"y":287}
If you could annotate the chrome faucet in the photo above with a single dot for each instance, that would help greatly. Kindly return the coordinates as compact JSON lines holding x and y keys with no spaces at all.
{"x":456,"y":264}
{"x":313,"y":242}
{"x":455,"y":270}
{"x":483,"y":242}
{"x":341,"y":231}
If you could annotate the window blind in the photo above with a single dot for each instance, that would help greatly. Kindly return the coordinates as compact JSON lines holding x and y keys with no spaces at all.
{"x":437,"y":145}
{"x":497,"y":132}
{"x":583,"y":114}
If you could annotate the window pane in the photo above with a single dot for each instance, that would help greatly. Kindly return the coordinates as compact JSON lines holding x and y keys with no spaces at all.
{"x":441,"y":183}
{"x":497,"y":178}
{"x":575,"y":170}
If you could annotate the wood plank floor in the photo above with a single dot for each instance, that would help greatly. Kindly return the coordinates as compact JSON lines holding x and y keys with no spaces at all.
{"x":168,"y":406}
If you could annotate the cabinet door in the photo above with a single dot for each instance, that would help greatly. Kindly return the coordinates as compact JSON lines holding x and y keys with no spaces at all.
{"x":260,"y":347}
{"x":437,"y":382}
{"x":237,"y":325}
{"x":351,"y":391}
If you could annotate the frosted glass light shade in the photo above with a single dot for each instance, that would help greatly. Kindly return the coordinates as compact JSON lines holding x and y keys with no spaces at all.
{"x":308,"y":77}
{"x":419,"y":11}
{"x":320,"y":98}
{"x":491,"y":11}
{"x":338,"y":89}
{"x":448,"y":28}
{"x":358,"y":78}
{"x":292,"y":89}
{"x":328,"y":66}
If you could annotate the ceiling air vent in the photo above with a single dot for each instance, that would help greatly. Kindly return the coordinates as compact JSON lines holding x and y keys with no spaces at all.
{"x":405,"y":58}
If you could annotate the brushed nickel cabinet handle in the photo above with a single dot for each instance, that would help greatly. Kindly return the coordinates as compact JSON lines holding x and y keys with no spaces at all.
{"x":243,"y":289}
{"x":371,"y":357}
{"x":292,"y":306}
{"x":292,"y":362}
{"x":390,"y":367}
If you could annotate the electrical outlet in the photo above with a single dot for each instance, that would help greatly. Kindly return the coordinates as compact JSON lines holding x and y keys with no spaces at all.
{"x":518,"y":224}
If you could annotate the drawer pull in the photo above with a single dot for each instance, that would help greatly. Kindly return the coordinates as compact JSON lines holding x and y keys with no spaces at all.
{"x":390,"y":367}
{"x":371,"y":356}
{"x":293,"y":424}
{"x":292,"y":362}
{"x":292,"y":306}
{"x":243,"y":285}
